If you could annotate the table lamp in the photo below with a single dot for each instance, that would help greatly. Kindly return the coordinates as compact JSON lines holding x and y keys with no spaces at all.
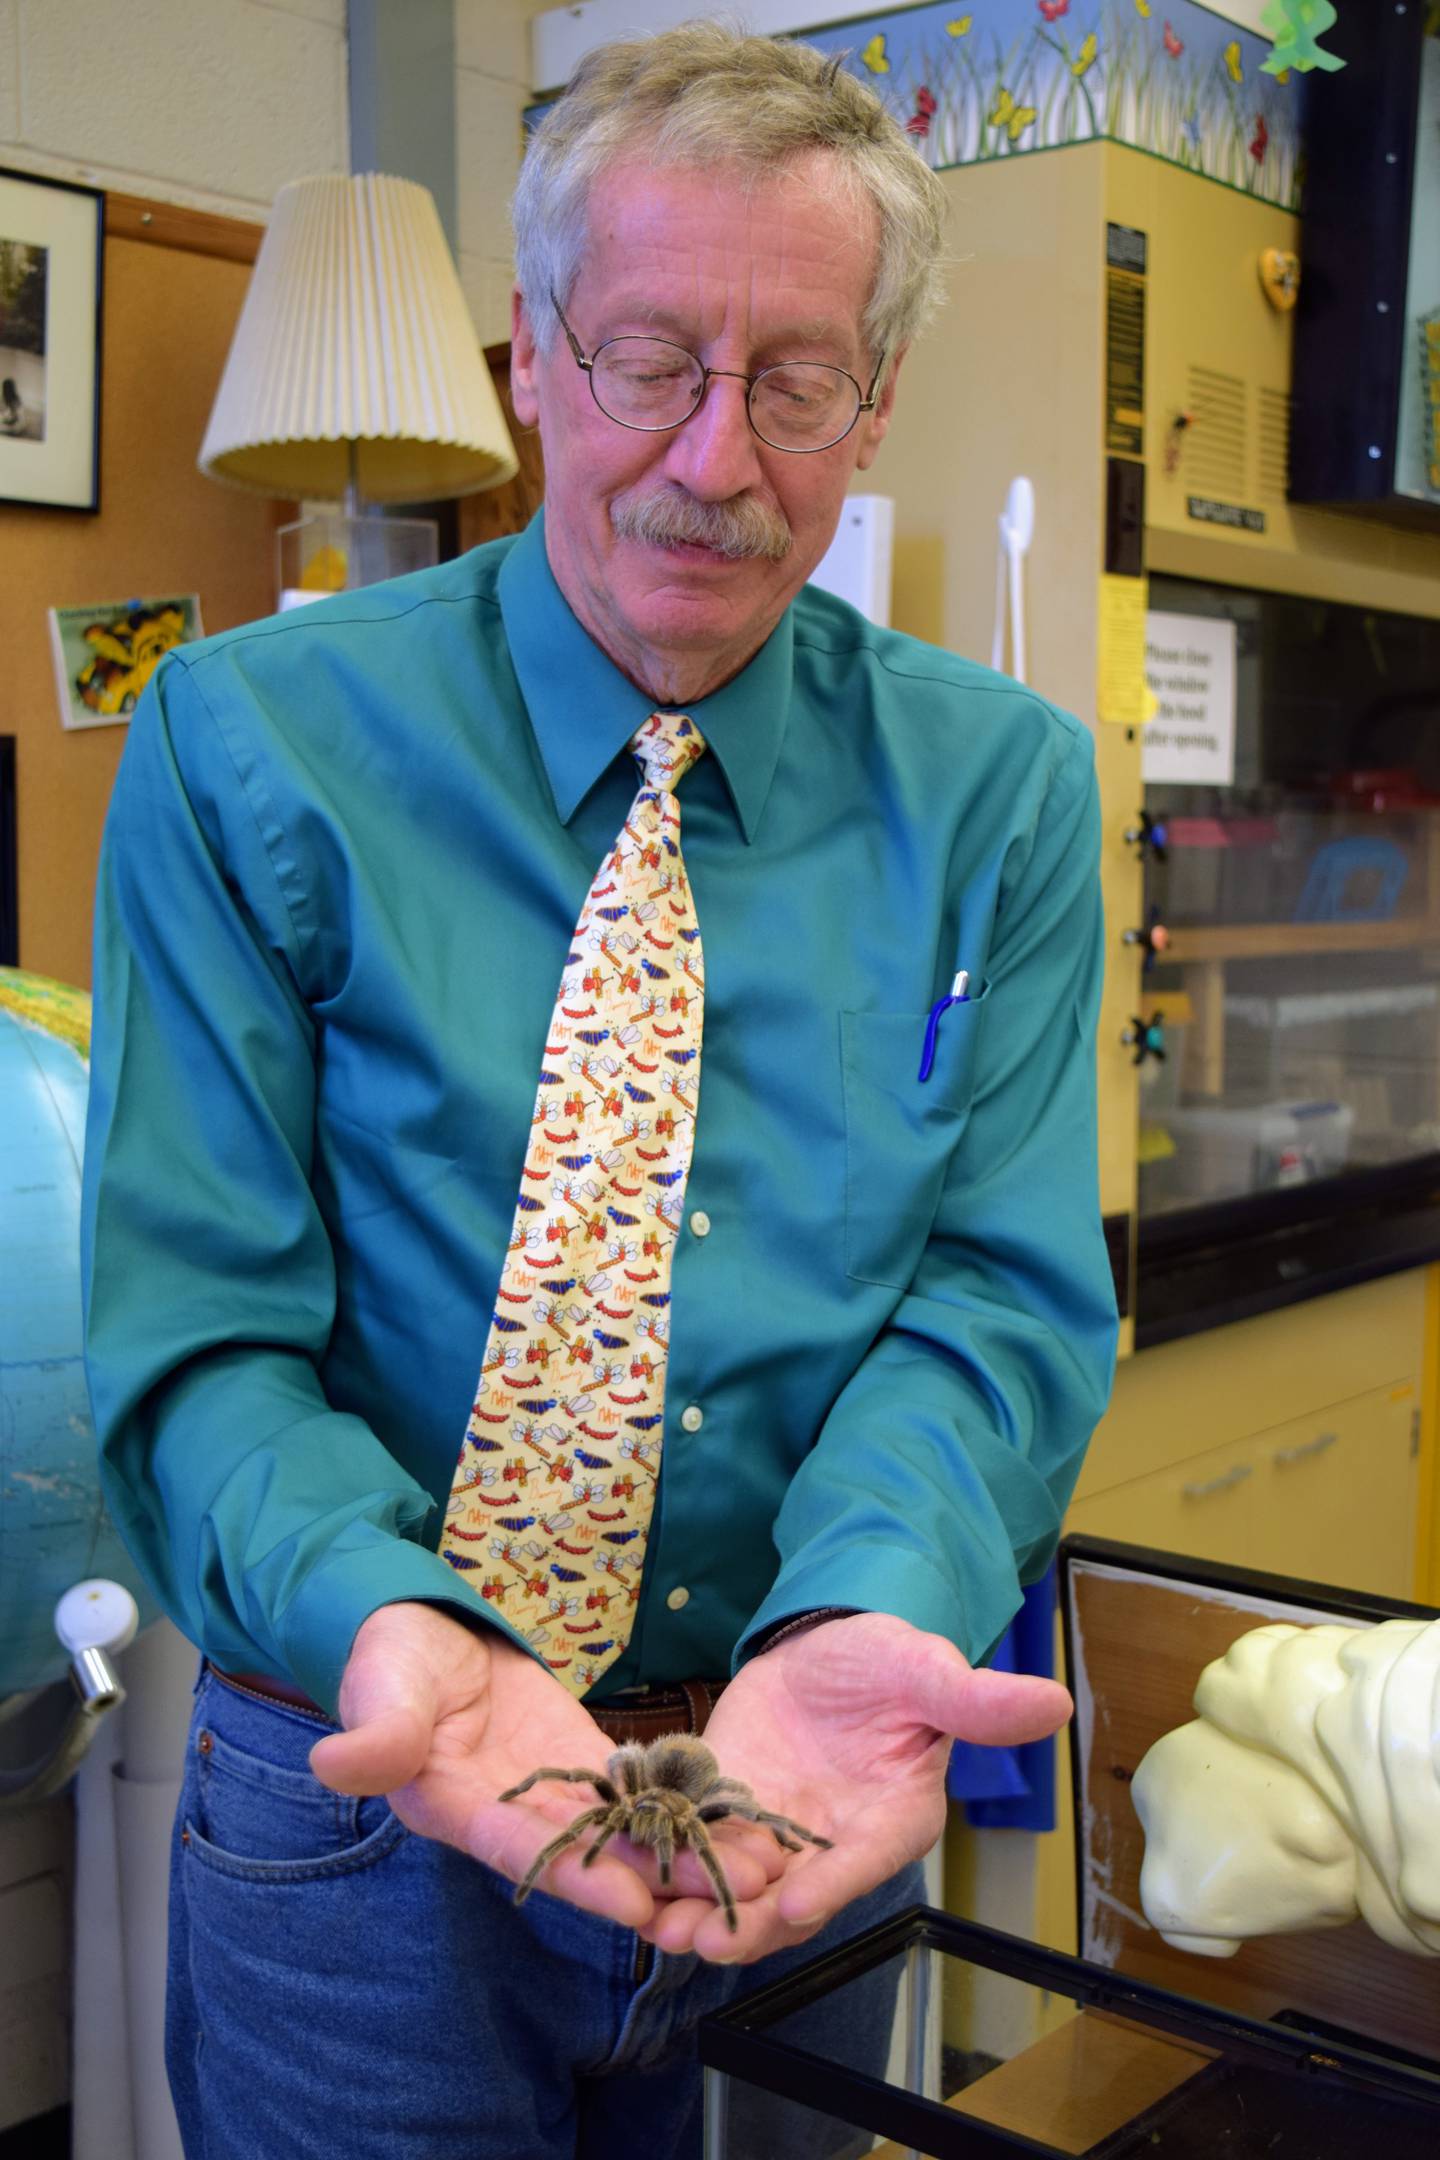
{"x":355,"y":377}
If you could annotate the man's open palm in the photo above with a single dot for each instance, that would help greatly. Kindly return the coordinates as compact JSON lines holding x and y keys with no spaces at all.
{"x":847,"y":1728}
{"x":444,"y":1720}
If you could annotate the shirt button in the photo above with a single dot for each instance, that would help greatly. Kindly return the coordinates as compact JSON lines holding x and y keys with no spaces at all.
{"x":677,"y":1598}
{"x":700,"y":1223}
{"x":692,"y":1418}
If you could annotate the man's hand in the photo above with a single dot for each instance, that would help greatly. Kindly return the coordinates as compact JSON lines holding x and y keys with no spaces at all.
{"x":847,"y":1728}
{"x":443,"y":1720}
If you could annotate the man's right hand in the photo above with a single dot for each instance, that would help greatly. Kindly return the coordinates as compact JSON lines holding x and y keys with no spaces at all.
{"x":442,"y":1720}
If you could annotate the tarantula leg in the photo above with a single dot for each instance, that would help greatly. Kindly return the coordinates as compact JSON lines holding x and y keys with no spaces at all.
{"x":762,"y":1817}
{"x":775,"y":1823}
{"x":600,"y":1843}
{"x":665,"y":1852}
{"x":705,"y":1853}
{"x":597,"y":1778}
{"x":717,"y":1810}
{"x":570,"y":1835}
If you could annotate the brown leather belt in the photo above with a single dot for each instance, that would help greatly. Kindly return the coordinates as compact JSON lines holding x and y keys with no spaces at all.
{"x":646,"y":1714}
{"x":640,"y":1714}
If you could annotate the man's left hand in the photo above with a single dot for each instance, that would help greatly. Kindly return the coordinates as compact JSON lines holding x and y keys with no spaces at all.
{"x":846,"y":1728}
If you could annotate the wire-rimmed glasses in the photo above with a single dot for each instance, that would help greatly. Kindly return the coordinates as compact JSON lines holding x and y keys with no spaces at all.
{"x":650,"y":384}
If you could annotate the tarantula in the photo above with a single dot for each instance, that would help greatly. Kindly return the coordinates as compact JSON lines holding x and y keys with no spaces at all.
{"x":662,"y":1795}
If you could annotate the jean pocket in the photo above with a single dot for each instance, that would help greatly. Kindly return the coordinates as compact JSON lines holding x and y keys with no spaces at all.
{"x":252,"y":1816}
{"x":900,"y":1131}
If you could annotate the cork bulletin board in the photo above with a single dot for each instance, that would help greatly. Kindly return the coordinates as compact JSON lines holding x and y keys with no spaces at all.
{"x":174,"y":282}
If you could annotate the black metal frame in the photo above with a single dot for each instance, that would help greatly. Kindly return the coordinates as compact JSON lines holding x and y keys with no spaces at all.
{"x":735,"y":2041}
{"x":97,"y":197}
{"x":1365,"y":1607}
{"x":738,"y":2042}
{"x":9,"y":859}
{"x":1203,"y":1267}
{"x":1208,"y":1265}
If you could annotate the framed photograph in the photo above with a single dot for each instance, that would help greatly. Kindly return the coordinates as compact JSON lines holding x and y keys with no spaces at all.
{"x":51,"y":262}
{"x":105,"y":654}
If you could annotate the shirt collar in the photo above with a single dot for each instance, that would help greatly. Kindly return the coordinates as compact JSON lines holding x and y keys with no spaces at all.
{"x":584,"y":711}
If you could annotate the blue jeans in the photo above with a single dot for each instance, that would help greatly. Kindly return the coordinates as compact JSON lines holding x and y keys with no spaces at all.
{"x":341,"y":1987}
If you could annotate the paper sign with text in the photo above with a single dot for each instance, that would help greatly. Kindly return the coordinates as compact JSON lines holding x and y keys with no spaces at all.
{"x":1190,"y":667}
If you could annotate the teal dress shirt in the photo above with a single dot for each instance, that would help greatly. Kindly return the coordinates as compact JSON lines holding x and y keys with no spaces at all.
{"x":345,"y":853}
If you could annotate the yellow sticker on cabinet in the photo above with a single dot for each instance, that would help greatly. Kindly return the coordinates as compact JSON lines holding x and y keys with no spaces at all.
{"x":1122,"y":694}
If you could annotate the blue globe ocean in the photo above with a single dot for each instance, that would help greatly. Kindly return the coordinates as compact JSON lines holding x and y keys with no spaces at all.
{"x":54,"y":1530}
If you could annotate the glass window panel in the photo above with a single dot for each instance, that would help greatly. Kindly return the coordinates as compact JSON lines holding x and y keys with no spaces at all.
{"x":1301,"y":989}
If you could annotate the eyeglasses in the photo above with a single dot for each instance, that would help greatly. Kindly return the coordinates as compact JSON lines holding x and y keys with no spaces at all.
{"x":651,"y":385}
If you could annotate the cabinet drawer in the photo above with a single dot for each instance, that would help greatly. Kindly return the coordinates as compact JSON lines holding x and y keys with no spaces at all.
{"x":1170,"y":1404}
{"x":1330,"y":1497}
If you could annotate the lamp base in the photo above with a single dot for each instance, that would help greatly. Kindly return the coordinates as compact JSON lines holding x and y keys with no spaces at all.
{"x":332,"y":551}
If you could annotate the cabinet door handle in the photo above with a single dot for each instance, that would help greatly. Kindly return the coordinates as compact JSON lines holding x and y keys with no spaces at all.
{"x":1317,"y":1446}
{"x":1202,"y":1489}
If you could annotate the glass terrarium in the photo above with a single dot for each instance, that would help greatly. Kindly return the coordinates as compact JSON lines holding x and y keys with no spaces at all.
{"x":339,"y":549}
{"x":1286,"y":1028}
{"x":876,"y":2049}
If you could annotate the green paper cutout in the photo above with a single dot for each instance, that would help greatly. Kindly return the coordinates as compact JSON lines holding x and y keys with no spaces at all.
{"x":1295,"y":25}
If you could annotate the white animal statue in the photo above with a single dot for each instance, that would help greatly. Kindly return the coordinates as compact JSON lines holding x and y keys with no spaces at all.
{"x":1306,"y":1791}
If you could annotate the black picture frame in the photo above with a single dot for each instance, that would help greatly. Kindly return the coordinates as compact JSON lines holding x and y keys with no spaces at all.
{"x":9,"y":861}
{"x":52,"y":273}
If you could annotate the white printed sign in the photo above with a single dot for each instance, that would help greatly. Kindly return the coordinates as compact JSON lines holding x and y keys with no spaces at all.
{"x":1190,"y":667}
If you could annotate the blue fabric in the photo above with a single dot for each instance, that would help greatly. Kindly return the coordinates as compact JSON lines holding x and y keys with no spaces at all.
{"x":340,"y":1986}
{"x":345,"y":853}
{"x":1013,"y":1788}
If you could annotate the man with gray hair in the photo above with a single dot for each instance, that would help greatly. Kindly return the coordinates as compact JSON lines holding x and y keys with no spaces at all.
{"x":470,"y":1426}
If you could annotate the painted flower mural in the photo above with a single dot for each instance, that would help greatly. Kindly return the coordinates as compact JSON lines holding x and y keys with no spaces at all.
{"x":1009,"y":77}
{"x":1014,"y":76}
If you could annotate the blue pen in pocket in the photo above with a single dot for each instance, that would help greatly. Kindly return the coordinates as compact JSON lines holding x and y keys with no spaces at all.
{"x":959,"y":995}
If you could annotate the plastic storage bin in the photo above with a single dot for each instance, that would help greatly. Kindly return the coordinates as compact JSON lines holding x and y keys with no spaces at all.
{"x":1372,"y":1044}
{"x":1228,"y":1150}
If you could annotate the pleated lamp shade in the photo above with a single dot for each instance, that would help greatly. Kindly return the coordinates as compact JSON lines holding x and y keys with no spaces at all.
{"x":355,"y":356}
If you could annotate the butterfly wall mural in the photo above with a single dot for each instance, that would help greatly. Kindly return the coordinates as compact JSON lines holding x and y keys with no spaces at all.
{"x":1007,"y":78}
{"x":1010,"y":77}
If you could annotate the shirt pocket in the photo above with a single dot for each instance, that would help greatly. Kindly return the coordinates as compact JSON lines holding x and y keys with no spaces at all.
{"x":900,"y":1131}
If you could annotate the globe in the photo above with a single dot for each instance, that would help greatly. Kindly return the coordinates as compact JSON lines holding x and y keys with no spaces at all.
{"x":54,"y":1530}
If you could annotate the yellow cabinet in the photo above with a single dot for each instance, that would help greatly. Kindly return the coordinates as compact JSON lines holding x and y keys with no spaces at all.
{"x":1330,"y":1497}
{"x":1289,"y":1443}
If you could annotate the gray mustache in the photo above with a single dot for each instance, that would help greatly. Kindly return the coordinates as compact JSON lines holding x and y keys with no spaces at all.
{"x":734,"y":529}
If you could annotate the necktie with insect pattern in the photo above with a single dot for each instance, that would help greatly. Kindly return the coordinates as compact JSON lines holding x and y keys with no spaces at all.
{"x":553,"y":1493}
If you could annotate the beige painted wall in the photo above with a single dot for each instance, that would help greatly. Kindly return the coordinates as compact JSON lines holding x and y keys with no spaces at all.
{"x":492,"y":89}
{"x":216,"y":104}
{"x":211,"y":103}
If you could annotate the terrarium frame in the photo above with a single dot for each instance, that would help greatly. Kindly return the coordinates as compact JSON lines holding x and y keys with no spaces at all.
{"x":738,"y":2042}
{"x":1188,"y":1611}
